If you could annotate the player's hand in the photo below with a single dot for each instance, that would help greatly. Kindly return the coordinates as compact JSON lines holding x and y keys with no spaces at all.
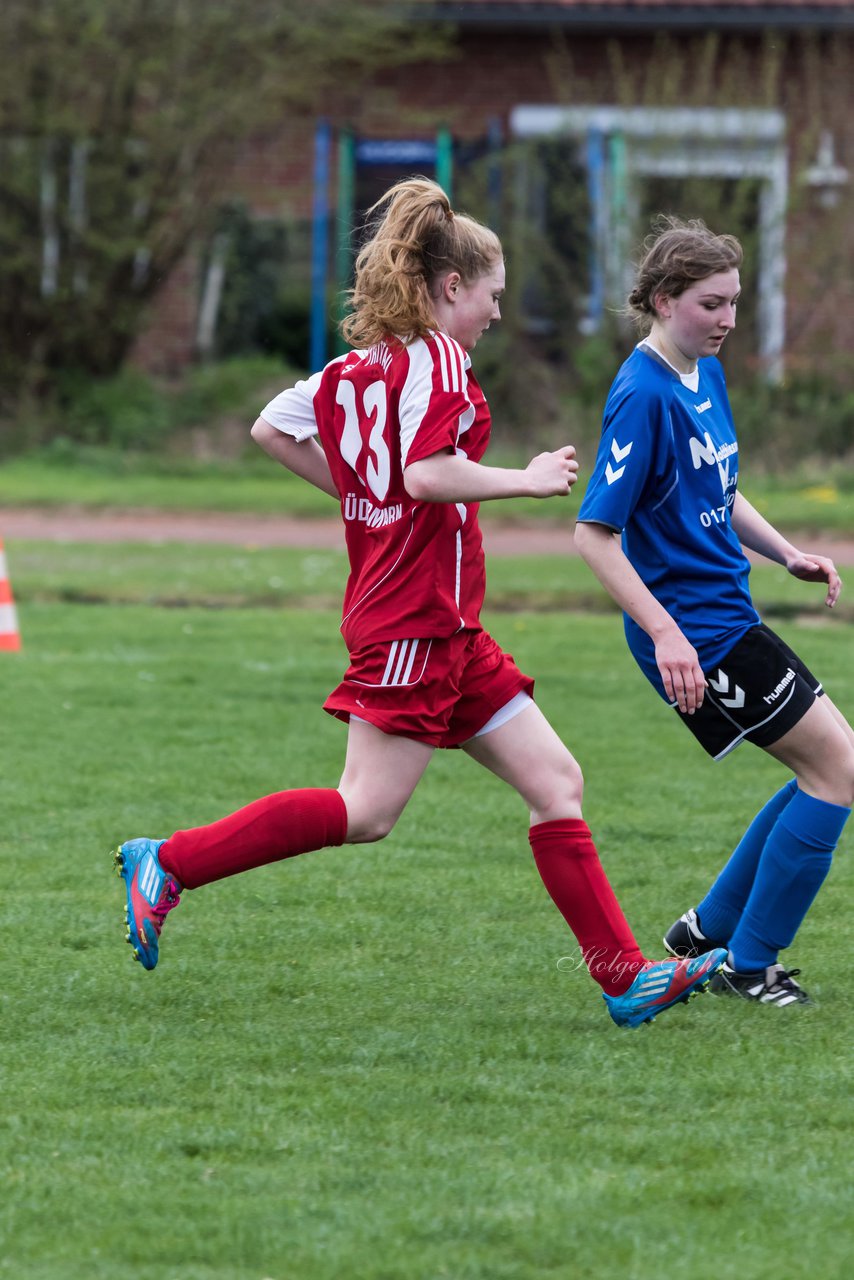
{"x":553,"y":474}
{"x":679,"y":666}
{"x":817,"y":569}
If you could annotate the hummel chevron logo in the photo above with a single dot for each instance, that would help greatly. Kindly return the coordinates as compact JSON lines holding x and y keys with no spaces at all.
{"x":721,"y":685}
{"x":612,"y":474}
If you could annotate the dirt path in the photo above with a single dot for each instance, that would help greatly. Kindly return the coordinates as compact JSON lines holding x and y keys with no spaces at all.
{"x":77,"y":524}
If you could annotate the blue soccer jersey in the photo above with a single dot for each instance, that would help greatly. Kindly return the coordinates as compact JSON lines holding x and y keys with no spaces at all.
{"x":665,"y":477}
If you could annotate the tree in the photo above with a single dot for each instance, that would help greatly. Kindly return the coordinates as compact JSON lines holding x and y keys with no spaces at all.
{"x":117,"y":120}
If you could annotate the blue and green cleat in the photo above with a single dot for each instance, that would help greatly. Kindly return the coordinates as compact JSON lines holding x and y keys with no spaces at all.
{"x":151,"y":894}
{"x":661,"y":984}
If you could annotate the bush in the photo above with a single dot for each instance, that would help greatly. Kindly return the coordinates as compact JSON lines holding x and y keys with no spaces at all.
{"x":127,"y":410}
{"x":131,"y":412}
{"x":235,"y":386}
{"x":807,"y":417}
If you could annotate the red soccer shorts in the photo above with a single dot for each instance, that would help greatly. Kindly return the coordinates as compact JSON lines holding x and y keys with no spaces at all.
{"x":438,"y":691}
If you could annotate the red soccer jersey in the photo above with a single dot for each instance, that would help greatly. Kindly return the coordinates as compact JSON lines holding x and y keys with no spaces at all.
{"x":416,"y":568}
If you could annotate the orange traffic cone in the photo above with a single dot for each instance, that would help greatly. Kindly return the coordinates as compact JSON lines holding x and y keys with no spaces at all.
{"x":10,"y":637}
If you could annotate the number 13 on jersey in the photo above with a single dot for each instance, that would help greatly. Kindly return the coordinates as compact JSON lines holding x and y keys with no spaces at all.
{"x":363,"y":436}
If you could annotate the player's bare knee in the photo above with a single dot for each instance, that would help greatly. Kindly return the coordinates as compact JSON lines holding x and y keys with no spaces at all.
{"x":369,"y":828}
{"x":560,"y":789}
{"x":574,"y":781}
{"x":838,"y":774}
{"x":846,"y":774}
{"x":831,"y":777}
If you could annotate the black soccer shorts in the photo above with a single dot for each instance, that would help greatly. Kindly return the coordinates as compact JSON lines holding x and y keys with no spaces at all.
{"x":759,"y":691}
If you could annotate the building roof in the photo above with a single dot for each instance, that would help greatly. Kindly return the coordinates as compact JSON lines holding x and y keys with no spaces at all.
{"x":638,"y":14}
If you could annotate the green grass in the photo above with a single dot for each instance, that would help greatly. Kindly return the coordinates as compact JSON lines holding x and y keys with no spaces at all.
{"x":96,"y":477}
{"x":102,"y":478}
{"x":366,"y":1062}
{"x":216,"y":576}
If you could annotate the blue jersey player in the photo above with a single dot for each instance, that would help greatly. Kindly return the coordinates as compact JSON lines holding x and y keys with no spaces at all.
{"x":666,"y":480}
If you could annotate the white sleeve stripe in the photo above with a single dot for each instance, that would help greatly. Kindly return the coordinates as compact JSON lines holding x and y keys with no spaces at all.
{"x":461,"y":365}
{"x":417,"y":390}
{"x":415,"y":396}
{"x":452,"y":373}
{"x":443,"y":360}
{"x":456,"y":364}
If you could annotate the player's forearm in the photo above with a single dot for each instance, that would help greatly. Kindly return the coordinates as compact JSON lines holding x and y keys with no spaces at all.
{"x":599,"y":547}
{"x":304,"y":458}
{"x":756,"y":533}
{"x":449,"y":478}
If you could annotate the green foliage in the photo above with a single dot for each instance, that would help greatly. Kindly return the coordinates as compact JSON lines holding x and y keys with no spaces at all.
{"x":367,"y":1062}
{"x":230,"y":386}
{"x":127,"y":411}
{"x":117,"y":121}
{"x":809,"y":417}
{"x":131,"y":411}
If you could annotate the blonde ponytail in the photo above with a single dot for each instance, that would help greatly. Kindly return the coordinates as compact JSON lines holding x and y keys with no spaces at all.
{"x":416,"y":239}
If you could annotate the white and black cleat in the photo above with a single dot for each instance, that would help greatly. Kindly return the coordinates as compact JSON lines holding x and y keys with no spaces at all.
{"x":686,"y":938}
{"x":773,"y":985}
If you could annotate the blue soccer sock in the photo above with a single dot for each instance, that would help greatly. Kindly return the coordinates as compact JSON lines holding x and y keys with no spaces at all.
{"x":720,"y":910}
{"x":792,"y":869}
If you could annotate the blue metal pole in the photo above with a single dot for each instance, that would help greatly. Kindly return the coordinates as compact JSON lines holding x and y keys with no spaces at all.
{"x":343,"y":246}
{"x":320,"y":244}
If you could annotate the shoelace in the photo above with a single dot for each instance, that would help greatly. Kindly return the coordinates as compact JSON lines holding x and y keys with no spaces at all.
{"x":784,"y":979}
{"x":169,"y":898}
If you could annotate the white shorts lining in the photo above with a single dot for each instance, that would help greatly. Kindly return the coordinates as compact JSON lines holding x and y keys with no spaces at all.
{"x":505,"y":713}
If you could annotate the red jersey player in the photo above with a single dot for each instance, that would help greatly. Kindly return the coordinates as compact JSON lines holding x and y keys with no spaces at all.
{"x":396,"y":430}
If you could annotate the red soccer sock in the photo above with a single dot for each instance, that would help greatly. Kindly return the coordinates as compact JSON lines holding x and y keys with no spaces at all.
{"x":569,"y":865}
{"x":275,"y":827}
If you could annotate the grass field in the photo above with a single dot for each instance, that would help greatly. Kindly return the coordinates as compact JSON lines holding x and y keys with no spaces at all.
{"x":818,"y":500}
{"x":368,"y":1062}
